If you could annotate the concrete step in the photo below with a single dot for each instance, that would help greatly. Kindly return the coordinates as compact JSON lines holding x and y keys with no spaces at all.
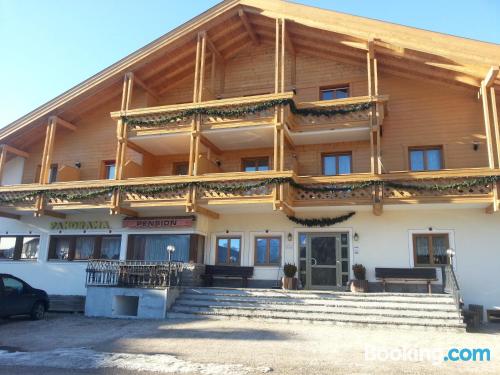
{"x":207,"y":293}
{"x":373,"y":303}
{"x":431,"y":313}
{"x":349,"y":320}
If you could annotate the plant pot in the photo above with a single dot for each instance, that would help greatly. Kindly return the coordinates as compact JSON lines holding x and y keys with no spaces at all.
{"x":359,"y":286}
{"x":289,"y":283}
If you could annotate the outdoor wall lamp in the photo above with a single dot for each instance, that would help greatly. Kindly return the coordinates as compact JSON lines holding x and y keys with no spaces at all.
{"x":290,"y":237}
{"x":355,"y":237}
{"x":475,"y":146}
{"x":450,"y":253}
{"x":78,"y":164}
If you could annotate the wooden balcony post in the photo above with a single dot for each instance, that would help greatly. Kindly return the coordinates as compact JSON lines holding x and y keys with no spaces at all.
{"x":494,"y":110}
{"x":369,"y":56}
{"x":487,"y":125}
{"x":3,"y":157}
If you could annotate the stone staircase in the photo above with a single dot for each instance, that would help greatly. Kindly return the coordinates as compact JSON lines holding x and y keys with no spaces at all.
{"x":396,"y":310}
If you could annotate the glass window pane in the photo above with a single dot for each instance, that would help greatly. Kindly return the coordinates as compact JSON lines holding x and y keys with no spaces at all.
{"x":263,"y":164}
{"x":261,"y":251}
{"x":110,"y":248}
{"x":344,"y":164}
{"x":31,"y":245}
{"x":12,"y":286}
{"x":433,"y":160}
{"x":84,"y":247}
{"x":329,"y":165}
{"x":417,"y":160}
{"x":342,"y":93}
{"x":274,"y":250}
{"x":439,"y":247}
{"x":327,"y":95}
{"x":235,"y":251}
{"x":7,"y":247}
{"x":222,"y":246}
{"x":62,"y":248}
{"x":422,"y":250}
{"x":110,"y":171}
{"x":302,"y":245}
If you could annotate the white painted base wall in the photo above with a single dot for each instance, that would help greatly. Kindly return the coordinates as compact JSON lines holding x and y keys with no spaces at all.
{"x":384,"y":241}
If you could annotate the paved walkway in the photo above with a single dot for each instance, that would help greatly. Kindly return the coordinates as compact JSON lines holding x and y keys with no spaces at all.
{"x":73,"y":344}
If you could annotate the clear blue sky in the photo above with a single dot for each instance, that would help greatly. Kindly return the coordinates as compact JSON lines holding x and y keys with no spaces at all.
{"x":48,"y":46}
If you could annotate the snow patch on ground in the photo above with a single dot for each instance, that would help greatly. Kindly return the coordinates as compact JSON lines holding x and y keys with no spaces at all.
{"x":82,"y":358}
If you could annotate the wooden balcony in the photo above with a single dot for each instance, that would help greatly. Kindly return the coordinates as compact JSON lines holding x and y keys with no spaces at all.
{"x":218,"y":189}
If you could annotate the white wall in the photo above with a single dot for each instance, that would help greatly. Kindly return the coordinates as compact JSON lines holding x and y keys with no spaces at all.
{"x":384,"y":241}
{"x":13,"y":171}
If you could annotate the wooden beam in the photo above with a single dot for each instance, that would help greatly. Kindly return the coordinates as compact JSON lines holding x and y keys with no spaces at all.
{"x":494,"y":110}
{"x":248,"y":27}
{"x":207,"y":143}
{"x":47,"y":152}
{"x":487,"y":124}
{"x":283,"y":206}
{"x":139,"y":149}
{"x":15,"y":151}
{"x":3,"y":160}
{"x":491,"y":76}
{"x":51,"y":213}
{"x":10,"y":216}
{"x":214,"y":50}
{"x":146,"y":88}
{"x":124,"y":211}
{"x":202,"y":66}
{"x":378,"y":208}
{"x":130,"y":87}
{"x":68,"y":125}
{"x":205,"y":211}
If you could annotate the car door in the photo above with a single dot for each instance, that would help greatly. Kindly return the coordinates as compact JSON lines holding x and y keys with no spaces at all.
{"x":16,"y":296}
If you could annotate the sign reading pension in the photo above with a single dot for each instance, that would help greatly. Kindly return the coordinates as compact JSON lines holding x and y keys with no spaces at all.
{"x":158,"y":222}
{"x":75,"y":225}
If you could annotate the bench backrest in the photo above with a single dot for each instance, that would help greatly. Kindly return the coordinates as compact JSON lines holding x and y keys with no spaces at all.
{"x":236,"y":271}
{"x":406,"y":273}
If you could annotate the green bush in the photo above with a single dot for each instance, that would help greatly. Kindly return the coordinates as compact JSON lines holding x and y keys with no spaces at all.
{"x":359,"y":271}
{"x":290,"y":270}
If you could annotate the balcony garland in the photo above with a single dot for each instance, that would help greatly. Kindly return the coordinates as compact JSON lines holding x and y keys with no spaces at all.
{"x":240,"y":111}
{"x":225,"y":187}
{"x":321,"y":222}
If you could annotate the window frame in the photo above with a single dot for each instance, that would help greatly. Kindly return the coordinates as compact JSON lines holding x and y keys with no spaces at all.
{"x":96,"y":253}
{"x":431,"y":248}
{"x":104,"y":168}
{"x":336,"y":155}
{"x":229,"y":238}
{"x":334,"y":88}
{"x":268,"y":252}
{"x":425,"y":150}
{"x":18,"y":248}
{"x":255,"y":160}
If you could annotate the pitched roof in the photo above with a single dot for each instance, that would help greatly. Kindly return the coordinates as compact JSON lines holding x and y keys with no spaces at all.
{"x":469,"y":60}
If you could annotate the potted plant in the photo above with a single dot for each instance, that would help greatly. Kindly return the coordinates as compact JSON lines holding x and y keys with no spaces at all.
{"x":360,"y":285}
{"x":289,"y":281}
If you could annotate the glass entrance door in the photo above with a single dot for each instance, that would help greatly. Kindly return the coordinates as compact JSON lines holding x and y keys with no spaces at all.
{"x":324,"y":262}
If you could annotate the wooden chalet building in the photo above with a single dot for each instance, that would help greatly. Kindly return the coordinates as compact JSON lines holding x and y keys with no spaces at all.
{"x":262,"y":133}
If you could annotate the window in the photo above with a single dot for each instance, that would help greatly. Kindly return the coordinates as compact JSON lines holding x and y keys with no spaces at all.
{"x":430,"y":249}
{"x":426,"y":158}
{"x":335,"y":164}
{"x":228,"y":250}
{"x":153,"y":247}
{"x":181,"y":168}
{"x":332,"y":93}
{"x":12,"y":286}
{"x":84,"y":247}
{"x":255,"y":164}
{"x":267,"y":251}
{"x":19,"y":247}
{"x":109,"y":170}
{"x":53,"y":173}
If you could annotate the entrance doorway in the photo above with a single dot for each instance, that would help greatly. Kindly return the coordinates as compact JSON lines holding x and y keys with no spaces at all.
{"x":324,"y":260}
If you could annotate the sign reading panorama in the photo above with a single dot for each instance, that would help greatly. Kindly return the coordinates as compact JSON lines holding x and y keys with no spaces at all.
{"x":158,"y":222}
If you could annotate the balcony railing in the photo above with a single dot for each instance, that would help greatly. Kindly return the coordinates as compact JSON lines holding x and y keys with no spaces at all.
{"x":133,"y":274}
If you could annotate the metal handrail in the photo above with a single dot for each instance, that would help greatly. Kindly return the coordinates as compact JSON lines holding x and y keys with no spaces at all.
{"x":133,"y":273}
{"x":451,"y":286}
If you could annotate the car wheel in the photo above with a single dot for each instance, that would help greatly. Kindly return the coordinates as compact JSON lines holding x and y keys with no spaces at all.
{"x":38,"y":311}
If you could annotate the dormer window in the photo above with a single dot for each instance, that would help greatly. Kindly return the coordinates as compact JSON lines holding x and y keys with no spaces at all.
{"x":334,"y":92}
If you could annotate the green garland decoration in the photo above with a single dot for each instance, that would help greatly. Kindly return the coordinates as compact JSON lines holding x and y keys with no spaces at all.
{"x":321,"y":222}
{"x":229,"y":187}
{"x":236,"y":112}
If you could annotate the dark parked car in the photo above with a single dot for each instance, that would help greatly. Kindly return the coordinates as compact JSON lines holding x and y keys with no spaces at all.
{"x":19,"y":298}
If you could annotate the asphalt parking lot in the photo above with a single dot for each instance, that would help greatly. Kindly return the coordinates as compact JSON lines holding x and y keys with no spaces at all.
{"x":74,"y":344}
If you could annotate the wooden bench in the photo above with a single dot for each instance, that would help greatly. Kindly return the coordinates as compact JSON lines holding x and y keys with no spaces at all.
{"x":406,"y":274}
{"x":493,"y":315}
{"x":244,"y":273}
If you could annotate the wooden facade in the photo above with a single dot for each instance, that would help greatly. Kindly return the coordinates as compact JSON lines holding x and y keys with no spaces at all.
{"x":424,"y":89}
